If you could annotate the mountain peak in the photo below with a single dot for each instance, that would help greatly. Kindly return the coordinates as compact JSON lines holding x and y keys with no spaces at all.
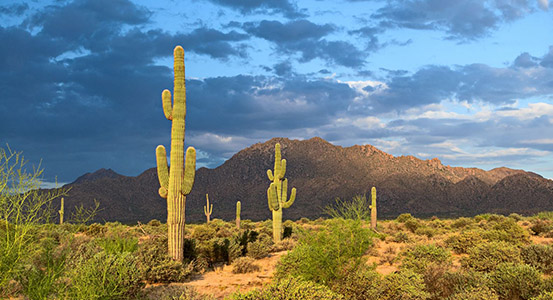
{"x":98,"y":174}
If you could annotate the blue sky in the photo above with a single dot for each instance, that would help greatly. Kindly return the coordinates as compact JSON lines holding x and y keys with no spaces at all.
{"x":467,"y":81}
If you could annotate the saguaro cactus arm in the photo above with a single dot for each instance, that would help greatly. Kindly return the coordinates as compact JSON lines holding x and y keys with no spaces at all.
{"x":167,"y":106}
{"x":270,"y":175}
{"x":162,"y":171}
{"x":272,"y":197}
{"x":287,"y":203}
{"x":189,"y":171}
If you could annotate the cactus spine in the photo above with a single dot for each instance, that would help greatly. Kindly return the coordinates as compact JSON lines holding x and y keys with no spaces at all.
{"x":177,"y":182}
{"x":61,"y":211}
{"x":238,"y":208}
{"x":277,"y":193}
{"x":373,"y":208}
{"x":208,"y":209}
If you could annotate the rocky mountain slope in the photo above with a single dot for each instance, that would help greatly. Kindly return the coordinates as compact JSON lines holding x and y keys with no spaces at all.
{"x":321,"y":172}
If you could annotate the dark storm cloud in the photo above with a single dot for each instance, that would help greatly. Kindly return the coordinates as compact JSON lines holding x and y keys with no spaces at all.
{"x":527,"y":77}
{"x":284,"y":7}
{"x":15,"y":9}
{"x":461,"y":20}
{"x":306,"y":38}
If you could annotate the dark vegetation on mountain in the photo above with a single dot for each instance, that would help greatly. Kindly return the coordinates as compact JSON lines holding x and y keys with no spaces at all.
{"x":321,"y":172}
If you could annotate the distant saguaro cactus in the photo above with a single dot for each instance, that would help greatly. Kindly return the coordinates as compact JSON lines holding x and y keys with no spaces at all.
{"x":238,"y":208}
{"x":176,"y":183}
{"x":373,"y":208}
{"x":61,"y":211}
{"x":208,"y":209}
{"x":277,"y":193}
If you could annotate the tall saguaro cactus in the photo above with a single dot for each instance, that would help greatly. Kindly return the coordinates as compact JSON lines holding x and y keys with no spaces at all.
{"x":373,"y":208}
{"x":208,"y":209}
{"x":177,"y":182}
{"x":277,"y":193}
{"x":238,"y":208}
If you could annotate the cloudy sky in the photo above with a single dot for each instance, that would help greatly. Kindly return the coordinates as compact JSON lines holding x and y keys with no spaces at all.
{"x":467,"y":81}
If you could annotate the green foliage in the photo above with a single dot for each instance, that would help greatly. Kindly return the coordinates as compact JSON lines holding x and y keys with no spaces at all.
{"x":461,"y":242}
{"x":117,"y":245}
{"x":412,"y":224}
{"x":539,"y":257}
{"x":509,"y":231}
{"x":204,"y":232}
{"x":516,"y":281}
{"x":355,"y":209}
{"x":426,"y":231}
{"x":403,"y":285}
{"x":243,"y":265}
{"x":358,"y":283}
{"x":418,"y":257}
{"x":320,"y":255}
{"x":486,"y":256}
{"x":155,"y":264}
{"x":541,"y":227}
{"x":22,"y":206}
{"x":404,"y":217}
{"x":259,"y":248}
{"x":545,"y":215}
{"x":462,"y":222}
{"x":96,"y":230}
{"x":174,"y":292}
{"x":448,"y":283}
{"x":544,"y":296}
{"x":475,"y":293}
{"x":289,"y":289}
{"x":106,"y":276}
{"x":401,"y":237}
{"x":83,"y":215}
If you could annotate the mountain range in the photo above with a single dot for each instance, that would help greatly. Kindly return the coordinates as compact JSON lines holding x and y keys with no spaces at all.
{"x":321,"y":172}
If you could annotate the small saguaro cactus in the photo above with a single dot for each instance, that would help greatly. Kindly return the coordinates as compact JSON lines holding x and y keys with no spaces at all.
{"x":61,"y":211}
{"x":208,"y":209}
{"x":373,"y":208}
{"x":238,"y":207}
{"x":277,"y":193}
{"x":177,"y":182}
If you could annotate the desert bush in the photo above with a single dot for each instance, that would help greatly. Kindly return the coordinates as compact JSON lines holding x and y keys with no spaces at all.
{"x":106,"y":276}
{"x":475,"y":293}
{"x":545,"y":215}
{"x":462,"y":223}
{"x":259,"y":248}
{"x":156,"y":266}
{"x":401,"y":237}
{"x":516,"y":217}
{"x":204,"y":232}
{"x":426,"y":231}
{"x":403,"y":285}
{"x":442,"y":284}
{"x":404,"y":217}
{"x":461,"y":242}
{"x":544,"y":296}
{"x":285,"y":244}
{"x":320,"y":255}
{"x":243,"y":265}
{"x":516,"y":281}
{"x":234,"y":249}
{"x":96,"y":230}
{"x":154,"y":223}
{"x":539,"y":257}
{"x":486,"y":256}
{"x":42,"y":278}
{"x":412,"y":224}
{"x":509,"y":231}
{"x":174,"y":292}
{"x":289,"y":289}
{"x":419,"y":257}
{"x":540,"y":227}
{"x":356,"y":209}
{"x":115,"y":245}
{"x":357,"y":283}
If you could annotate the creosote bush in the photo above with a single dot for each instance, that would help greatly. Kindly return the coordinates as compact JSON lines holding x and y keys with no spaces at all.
{"x":418,"y":257}
{"x":243,"y":265}
{"x":289,"y":289}
{"x":485,"y":257}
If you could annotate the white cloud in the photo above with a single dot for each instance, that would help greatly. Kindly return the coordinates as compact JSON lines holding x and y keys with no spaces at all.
{"x":534,"y":110}
{"x":544,"y":4}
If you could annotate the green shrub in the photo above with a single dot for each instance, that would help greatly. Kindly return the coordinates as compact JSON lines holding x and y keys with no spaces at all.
{"x":412,"y":224}
{"x":204,"y":232}
{"x":243,"y":265}
{"x":96,"y":230}
{"x":509,"y":231}
{"x":404,"y":217}
{"x":426,"y":231}
{"x":174,"y":292}
{"x":154,"y":223}
{"x":544,"y":296}
{"x":259,"y":248}
{"x":403,"y":285}
{"x":356,"y":209}
{"x":116,"y":245}
{"x":539,"y":257}
{"x":545,"y":215}
{"x":516,"y":217}
{"x":540,"y":227}
{"x":401,"y":237}
{"x":156,"y":266}
{"x":289,"y":289}
{"x":475,"y":293}
{"x":461,"y":242}
{"x":486,"y":256}
{"x":516,"y":281}
{"x":447,"y":283}
{"x":320,"y":255}
{"x":419,"y":257}
{"x":357,"y":283}
{"x":106,"y":276}
{"x":462,"y":222}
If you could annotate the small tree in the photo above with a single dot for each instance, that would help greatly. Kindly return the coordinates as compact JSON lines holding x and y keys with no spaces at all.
{"x":22,"y":205}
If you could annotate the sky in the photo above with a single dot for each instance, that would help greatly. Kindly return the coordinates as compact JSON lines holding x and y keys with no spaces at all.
{"x":467,"y":81}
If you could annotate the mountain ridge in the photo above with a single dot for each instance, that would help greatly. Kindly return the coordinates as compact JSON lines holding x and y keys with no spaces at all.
{"x":321,"y":172}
